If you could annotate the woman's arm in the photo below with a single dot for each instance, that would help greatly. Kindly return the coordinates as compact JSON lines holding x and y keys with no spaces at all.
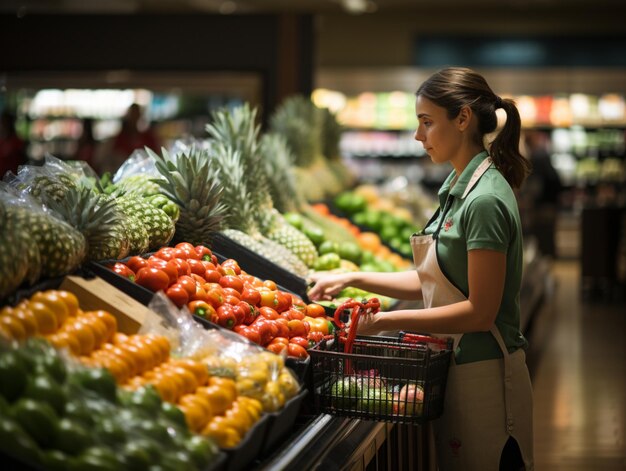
{"x":486,"y":272}
{"x":398,"y":285}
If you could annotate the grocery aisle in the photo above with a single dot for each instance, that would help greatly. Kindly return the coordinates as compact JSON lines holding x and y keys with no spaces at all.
{"x":578,"y":364}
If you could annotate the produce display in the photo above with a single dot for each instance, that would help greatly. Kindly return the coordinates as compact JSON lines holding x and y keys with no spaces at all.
{"x":58,"y":414}
{"x":227,"y":296}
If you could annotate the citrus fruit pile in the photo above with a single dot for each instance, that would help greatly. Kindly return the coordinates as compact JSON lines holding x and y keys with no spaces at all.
{"x":61,"y":415}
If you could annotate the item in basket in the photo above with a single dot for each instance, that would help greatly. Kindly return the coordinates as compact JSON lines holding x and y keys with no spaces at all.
{"x":375,"y":400}
{"x":409,"y":400}
{"x":345,"y":392}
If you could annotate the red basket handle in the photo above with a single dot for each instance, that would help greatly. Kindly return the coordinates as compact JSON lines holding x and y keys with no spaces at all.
{"x":420,"y":338}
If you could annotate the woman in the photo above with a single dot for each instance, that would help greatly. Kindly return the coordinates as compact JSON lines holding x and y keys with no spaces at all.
{"x":469,"y":270}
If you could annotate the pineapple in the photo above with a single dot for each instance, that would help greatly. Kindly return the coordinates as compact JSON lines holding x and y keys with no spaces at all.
{"x":14,"y":255}
{"x":98,"y":219}
{"x":157,"y":224}
{"x":61,"y":248}
{"x":300,"y":122}
{"x":45,"y":187}
{"x":241,"y":221}
{"x":190,"y":182}
{"x":247,"y":167}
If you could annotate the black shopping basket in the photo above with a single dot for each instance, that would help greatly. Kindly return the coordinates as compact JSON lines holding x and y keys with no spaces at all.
{"x":400,"y":380}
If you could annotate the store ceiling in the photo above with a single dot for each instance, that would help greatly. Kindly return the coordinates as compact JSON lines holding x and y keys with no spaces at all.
{"x":22,"y":7}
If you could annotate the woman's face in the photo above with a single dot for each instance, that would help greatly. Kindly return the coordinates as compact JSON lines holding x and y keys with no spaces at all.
{"x":439,"y":135}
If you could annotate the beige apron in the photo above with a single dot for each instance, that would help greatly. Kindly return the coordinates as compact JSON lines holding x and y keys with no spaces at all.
{"x":486,"y":401}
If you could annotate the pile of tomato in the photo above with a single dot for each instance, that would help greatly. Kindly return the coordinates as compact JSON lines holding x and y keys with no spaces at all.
{"x":228,"y":296}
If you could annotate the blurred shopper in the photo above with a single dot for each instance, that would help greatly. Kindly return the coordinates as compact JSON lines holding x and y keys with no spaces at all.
{"x":87,"y":144}
{"x":468,"y":273}
{"x":134,"y":134}
{"x":12,"y":146}
{"x":542,"y":192}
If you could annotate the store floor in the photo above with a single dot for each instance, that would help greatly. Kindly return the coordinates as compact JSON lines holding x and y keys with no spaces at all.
{"x":577,"y":362}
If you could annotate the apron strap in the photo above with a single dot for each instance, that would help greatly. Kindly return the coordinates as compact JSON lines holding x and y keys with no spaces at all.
{"x":508,"y":373}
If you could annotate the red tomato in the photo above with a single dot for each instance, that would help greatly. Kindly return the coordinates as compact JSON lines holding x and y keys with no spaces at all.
{"x":251,"y":295}
{"x":231,"y":281}
{"x":250,"y":312}
{"x":304,"y":343}
{"x":283,"y":327}
{"x":203,"y":252}
{"x":268,"y":313}
{"x":296,"y":328}
{"x":200,"y":308}
{"x":212,"y":276}
{"x":277,"y":348}
{"x":123,"y":270}
{"x":183,"y":266}
{"x":153,"y":279}
{"x":226,"y":316}
{"x":315,"y":337}
{"x":281,"y":340}
{"x":198,"y":279}
{"x":200,"y":294}
{"x":274,"y":328}
{"x":215,"y":297}
{"x":196,"y":267}
{"x":264,"y":328}
{"x":214,"y":259}
{"x":188,"y":283}
{"x":240,"y":314}
{"x":165,"y":253}
{"x":270,"y":284}
{"x":294,"y":350}
{"x":252,"y":335}
{"x":269,"y":299}
{"x":178,"y":295}
{"x":190,"y":250}
{"x":171,"y":269}
{"x":231,"y":263}
{"x":315,"y":310}
{"x":284,"y":301}
{"x":297,"y":303}
{"x":232,"y":292}
{"x":208,"y":265}
{"x":156,"y":262}
{"x":295,"y":314}
{"x":136,"y":262}
{"x":232,"y":300}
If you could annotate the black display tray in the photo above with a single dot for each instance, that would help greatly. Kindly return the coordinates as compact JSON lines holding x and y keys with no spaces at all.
{"x":282,"y":422}
{"x":257,"y":265}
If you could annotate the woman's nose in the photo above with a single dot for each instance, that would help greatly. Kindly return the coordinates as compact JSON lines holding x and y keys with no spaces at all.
{"x":418,"y":136}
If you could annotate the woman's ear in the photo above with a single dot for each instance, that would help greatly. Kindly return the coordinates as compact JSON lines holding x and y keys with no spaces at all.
{"x":464,"y":118}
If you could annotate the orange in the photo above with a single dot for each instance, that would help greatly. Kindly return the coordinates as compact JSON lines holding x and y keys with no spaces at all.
{"x":135,"y":382}
{"x":150,"y":350}
{"x":369,"y":241}
{"x":239,"y":419}
{"x":118,"y":352}
{"x":134,"y":355}
{"x":83,"y":334}
{"x":99,"y":328}
{"x":119,"y":338}
{"x":28,"y":320}
{"x":167,"y":389}
{"x":70,"y":300}
{"x":175,"y":381}
{"x":161,"y":342}
{"x":190,"y":383}
{"x":201,"y":401}
{"x":47,"y":322}
{"x":4,"y":333}
{"x":13,"y":326}
{"x":118,"y":368}
{"x":109,"y":320}
{"x":219,"y":398}
{"x":227,"y":384}
{"x":253,"y":406}
{"x":194,"y":416}
{"x":56,"y":304}
{"x":222,"y":432}
{"x":67,"y":340}
{"x":198,"y":369}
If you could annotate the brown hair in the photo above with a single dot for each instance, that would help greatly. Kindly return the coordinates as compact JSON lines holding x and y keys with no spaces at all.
{"x":455,"y":87}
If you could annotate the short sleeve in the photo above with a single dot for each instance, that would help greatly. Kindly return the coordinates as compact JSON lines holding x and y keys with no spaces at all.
{"x":488,"y":224}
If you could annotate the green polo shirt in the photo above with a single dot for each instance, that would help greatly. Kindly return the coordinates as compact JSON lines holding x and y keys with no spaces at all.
{"x":487,"y":218}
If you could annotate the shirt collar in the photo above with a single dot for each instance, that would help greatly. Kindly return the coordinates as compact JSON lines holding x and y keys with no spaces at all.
{"x":461,"y":183}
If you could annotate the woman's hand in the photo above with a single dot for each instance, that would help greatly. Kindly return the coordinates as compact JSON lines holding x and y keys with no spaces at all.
{"x":327,"y":285}
{"x":367,"y":324}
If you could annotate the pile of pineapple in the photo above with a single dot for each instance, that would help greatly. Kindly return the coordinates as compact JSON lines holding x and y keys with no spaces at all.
{"x":58,"y":218}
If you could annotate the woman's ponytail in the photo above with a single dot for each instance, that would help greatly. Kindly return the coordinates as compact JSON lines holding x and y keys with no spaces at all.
{"x":504,"y":149}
